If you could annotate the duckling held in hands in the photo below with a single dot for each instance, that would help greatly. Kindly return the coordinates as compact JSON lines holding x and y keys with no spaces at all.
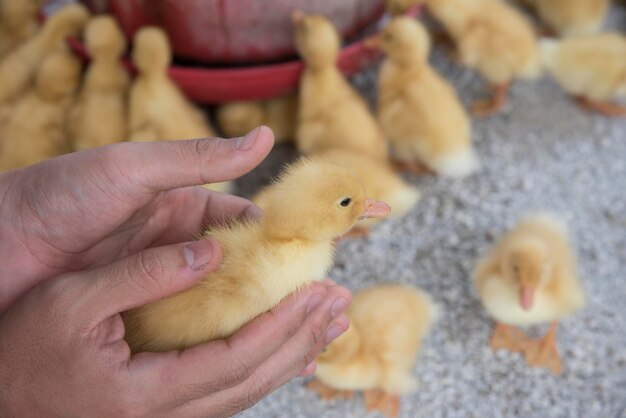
{"x":331,"y":113}
{"x":290,"y":246}
{"x":158,"y":109}
{"x":418,"y":110}
{"x":491,"y":37}
{"x":530,"y":277}
{"x":592,"y":68}
{"x":35,"y":129}
{"x":279,"y":114}
{"x":19,"y":68}
{"x":571,"y":17}
{"x":379,"y":350}
{"x":18,"y":22}
{"x":99,"y":115}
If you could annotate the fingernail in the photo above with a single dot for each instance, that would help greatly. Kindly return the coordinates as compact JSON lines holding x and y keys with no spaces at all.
{"x":333,"y":332}
{"x":198,"y":253}
{"x":314,"y":300}
{"x":246,"y":142}
{"x":339,"y":306}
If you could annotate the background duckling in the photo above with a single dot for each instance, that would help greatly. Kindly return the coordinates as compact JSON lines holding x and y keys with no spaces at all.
{"x":331,"y":113}
{"x":158,"y":109}
{"x":491,"y":37}
{"x":590,"y":67}
{"x":99,"y":115}
{"x":18,"y":69}
{"x":571,"y":17}
{"x":35,"y":129}
{"x":530,"y":277}
{"x":18,"y":22}
{"x":379,"y":350}
{"x":418,"y":110}
{"x":279,"y":114}
{"x":312,"y":203}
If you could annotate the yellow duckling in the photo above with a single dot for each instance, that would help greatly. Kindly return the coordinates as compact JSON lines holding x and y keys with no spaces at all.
{"x":590,"y":67}
{"x":18,"y":22}
{"x":331,"y":113}
{"x":571,"y":17}
{"x":418,"y":110}
{"x":379,"y":350}
{"x":530,"y":277}
{"x":311,"y":204}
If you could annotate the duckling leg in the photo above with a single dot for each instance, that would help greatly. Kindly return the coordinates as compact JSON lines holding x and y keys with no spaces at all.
{"x":377,"y":400}
{"x":326,"y":392}
{"x":544,"y":353}
{"x":484,"y":108}
{"x":607,"y":109}
{"x":412,"y":168}
{"x":508,"y":338}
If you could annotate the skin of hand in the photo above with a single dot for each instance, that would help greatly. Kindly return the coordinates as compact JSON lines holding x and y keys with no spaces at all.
{"x":62,"y":351}
{"x":90,"y":208}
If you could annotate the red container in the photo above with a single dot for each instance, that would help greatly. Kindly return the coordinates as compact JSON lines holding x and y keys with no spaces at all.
{"x":237,"y":31}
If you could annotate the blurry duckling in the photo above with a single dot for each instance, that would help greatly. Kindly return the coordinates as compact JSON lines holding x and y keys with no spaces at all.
{"x":311,"y":204}
{"x":18,"y":22}
{"x":529,"y":277}
{"x":99,"y":115}
{"x":418,"y":110}
{"x":331,"y":113}
{"x":35,"y":129}
{"x":158,"y":109}
{"x":279,"y":114}
{"x":571,"y":17}
{"x":19,"y":68}
{"x":592,"y":68}
{"x":379,"y":350}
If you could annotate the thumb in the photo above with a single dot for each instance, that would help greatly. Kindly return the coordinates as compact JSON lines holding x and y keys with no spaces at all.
{"x":148,"y":276}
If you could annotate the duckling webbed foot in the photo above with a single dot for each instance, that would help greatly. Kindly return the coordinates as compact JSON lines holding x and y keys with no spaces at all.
{"x":377,"y":400}
{"x":607,"y":109}
{"x":508,"y":338}
{"x":326,"y":392}
{"x":412,"y":168}
{"x":484,"y":108}
{"x":544,"y":353}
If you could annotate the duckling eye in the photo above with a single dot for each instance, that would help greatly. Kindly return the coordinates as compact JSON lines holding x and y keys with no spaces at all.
{"x":346,"y":202}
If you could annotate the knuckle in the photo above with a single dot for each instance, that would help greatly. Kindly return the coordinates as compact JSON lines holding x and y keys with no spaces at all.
{"x":238,"y":372}
{"x":261,"y":386}
{"x":150,"y":271}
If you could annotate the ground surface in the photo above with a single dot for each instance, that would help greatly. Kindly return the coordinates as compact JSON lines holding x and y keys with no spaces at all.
{"x":541,"y":152}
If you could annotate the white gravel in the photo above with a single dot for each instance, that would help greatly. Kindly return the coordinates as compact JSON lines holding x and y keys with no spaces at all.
{"x":542,"y":152}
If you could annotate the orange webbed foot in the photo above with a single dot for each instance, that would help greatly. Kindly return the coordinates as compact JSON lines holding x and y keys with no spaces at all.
{"x":412,"y":168}
{"x":356,"y":232}
{"x":508,"y":338}
{"x":485,"y":108}
{"x":377,"y":400}
{"x":544,"y":353}
{"x":326,"y":392}
{"x":607,"y":109}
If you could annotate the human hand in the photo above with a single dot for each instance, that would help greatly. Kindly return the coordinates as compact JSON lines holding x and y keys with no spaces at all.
{"x":62,"y":351}
{"x":89,"y":208}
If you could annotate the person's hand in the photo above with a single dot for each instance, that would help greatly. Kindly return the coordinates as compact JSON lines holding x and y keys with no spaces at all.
{"x":62,"y":351}
{"x":89,"y":208}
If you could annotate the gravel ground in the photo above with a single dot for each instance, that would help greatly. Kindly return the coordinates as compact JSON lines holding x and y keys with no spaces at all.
{"x":541,"y":152}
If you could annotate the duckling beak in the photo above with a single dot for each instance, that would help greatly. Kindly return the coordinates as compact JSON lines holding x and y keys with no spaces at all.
{"x":526,"y":296}
{"x":373,"y":42}
{"x":375,"y":209}
{"x":297,"y":17}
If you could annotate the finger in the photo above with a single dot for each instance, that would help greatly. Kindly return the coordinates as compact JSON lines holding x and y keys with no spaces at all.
{"x":147,"y":276}
{"x":158,"y":166}
{"x":285,"y":364}
{"x":217,"y":365}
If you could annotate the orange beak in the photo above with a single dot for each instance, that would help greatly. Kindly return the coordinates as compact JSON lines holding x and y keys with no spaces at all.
{"x":375,"y":209}
{"x":372,"y":42}
{"x":526,"y":296}
{"x":297,"y":16}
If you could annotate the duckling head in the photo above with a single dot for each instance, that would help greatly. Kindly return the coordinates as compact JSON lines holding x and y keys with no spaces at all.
{"x":58,"y":76}
{"x":16,"y":13}
{"x":104,"y":38}
{"x":239,"y":118}
{"x":397,"y":7}
{"x":341,"y":349}
{"x":317,"y":40}
{"x":151,"y":51}
{"x":405,"y":40}
{"x":68,"y":21}
{"x":527,"y":264}
{"x":316,"y":201}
